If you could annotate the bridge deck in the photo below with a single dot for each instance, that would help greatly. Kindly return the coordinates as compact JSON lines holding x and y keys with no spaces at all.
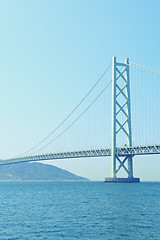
{"x":125,"y":151}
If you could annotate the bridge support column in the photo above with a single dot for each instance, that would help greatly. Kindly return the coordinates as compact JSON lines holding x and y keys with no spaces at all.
{"x":121,"y":121}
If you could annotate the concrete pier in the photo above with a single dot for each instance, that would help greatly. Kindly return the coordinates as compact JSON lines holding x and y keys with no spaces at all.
{"x":122,"y":180}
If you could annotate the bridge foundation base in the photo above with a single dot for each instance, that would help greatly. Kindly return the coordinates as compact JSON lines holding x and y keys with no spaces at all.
{"x":122,"y":180}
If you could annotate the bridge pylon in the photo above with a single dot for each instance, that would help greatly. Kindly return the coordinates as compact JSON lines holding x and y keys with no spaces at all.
{"x":121,"y":121}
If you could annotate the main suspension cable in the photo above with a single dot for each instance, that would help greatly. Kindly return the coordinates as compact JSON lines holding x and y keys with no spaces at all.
{"x":69,"y":114}
{"x":144,"y":68}
{"x":74,"y":120}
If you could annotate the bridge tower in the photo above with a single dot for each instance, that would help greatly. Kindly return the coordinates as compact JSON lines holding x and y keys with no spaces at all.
{"x":121,"y":121}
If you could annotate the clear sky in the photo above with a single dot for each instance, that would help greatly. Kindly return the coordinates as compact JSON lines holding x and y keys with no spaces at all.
{"x":51,"y":54}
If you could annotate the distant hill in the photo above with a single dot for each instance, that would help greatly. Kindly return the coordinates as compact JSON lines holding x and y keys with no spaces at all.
{"x":36,"y":171}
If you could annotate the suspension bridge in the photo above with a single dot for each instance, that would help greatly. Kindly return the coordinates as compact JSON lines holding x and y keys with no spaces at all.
{"x":121,"y":131}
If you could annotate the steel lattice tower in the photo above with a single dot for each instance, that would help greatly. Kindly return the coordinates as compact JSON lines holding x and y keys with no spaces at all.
{"x":121,"y":120}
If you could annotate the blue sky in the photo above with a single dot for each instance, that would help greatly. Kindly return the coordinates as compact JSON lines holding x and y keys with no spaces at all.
{"x":51,"y":54}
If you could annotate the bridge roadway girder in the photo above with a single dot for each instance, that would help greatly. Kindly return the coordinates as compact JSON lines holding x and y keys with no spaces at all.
{"x":121,"y":151}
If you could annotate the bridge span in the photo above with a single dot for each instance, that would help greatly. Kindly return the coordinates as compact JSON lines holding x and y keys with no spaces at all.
{"x":121,"y":131}
{"x":120,"y":152}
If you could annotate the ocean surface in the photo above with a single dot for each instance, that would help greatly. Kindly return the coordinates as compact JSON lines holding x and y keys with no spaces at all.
{"x":79,"y":210}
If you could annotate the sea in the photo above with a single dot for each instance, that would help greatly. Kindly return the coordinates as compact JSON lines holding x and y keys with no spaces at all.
{"x":37,"y":210}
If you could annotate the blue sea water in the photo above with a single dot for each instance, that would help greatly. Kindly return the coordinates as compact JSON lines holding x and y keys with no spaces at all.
{"x":79,"y":210}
